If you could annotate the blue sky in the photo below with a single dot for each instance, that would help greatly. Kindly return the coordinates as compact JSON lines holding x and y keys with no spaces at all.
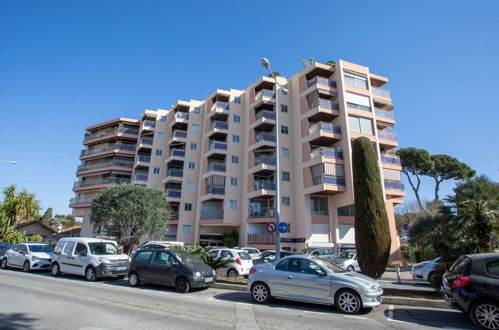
{"x":65,"y":65}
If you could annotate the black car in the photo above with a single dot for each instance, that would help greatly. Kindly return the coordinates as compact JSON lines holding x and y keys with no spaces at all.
{"x":170,"y":268}
{"x":4,"y":247}
{"x":472,"y":286}
{"x":269,"y":256}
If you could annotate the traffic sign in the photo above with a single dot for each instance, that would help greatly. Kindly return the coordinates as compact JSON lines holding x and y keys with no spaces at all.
{"x":283,"y":227}
{"x":270,"y":227}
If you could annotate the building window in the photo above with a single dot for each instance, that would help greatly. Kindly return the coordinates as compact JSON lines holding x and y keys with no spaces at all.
{"x":235,"y":138}
{"x":355,"y":80}
{"x":159,"y":152}
{"x":194,"y":146}
{"x":233,"y":181}
{"x":361,"y":125}
{"x":236,"y":118}
{"x":234,"y":159}
{"x":188,"y":206}
{"x":284,"y":108}
{"x":285,"y":152}
{"x":189,"y":186}
{"x":161,"y":135}
{"x":197,"y":110}
{"x":286,"y":201}
{"x":346,"y":211}
{"x":163,"y":119}
{"x":285,"y":176}
{"x":156,"y":170}
{"x":192,"y":166}
{"x":318,"y":205}
{"x":237,"y":100}
{"x":358,"y":106}
{"x":233,"y":204}
{"x":195,"y":128}
{"x":284,"y":129}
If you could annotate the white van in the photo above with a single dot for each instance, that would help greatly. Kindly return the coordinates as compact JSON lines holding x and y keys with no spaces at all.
{"x":90,"y":257}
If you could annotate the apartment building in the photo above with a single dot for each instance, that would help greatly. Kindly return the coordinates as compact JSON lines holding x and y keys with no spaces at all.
{"x":216,"y":158}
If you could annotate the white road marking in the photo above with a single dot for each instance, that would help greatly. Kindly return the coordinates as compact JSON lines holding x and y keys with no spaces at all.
{"x":355,"y":317}
{"x":390,"y":316}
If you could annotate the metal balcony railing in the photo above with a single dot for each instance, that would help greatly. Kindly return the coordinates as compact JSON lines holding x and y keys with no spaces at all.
{"x":213,"y":214}
{"x":219,"y":167}
{"x":261,"y":212}
{"x":125,"y":147}
{"x":105,"y":164}
{"x":321,"y":81}
{"x":261,"y":238}
{"x":383,"y":113}
{"x":81,"y":200}
{"x":394,"y":185}
{"x":259,"y":136}
{"x":223,"y":106}
{"x":266,"y":185}
{"x":181,"y":115}
{"x":175,"y":172}
{"x":219,"y":125}
{"x":110,"y":132}
{"x":96,"y":182}
{"x":215,"y":189}
{"x":140,"y":177}
{"x":390,"y":160}
{"x":381,"y":92}
{"x":173,"y":193}
{"x":179,"y":133}
{"x":325,"y":127}
{"x":217,"y":145}
{"x":265,"y":93}
{"x":265,"y":114}
{"x":266,"y":160}
{"x":147,"y":141}
{"x":144,"y":159}
{"x":323,"y":104}
{"x":326,"y":152}
{"x":326,"y":179}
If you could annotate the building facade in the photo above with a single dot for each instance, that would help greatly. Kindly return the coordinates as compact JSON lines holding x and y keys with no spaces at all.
{"x":216,"y":158}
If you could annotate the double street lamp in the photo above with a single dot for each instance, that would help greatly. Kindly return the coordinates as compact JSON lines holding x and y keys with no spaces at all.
{"x":266,"y":63}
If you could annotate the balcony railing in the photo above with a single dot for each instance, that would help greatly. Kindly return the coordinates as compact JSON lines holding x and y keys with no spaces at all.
{"x":181,"y":115}
{"x":326,"y":152}
{"x":261,"y":238}
{"x":179,"y":133}
{"x":149,"y":124}
{"x":125,"y":147}
{"x":217,"y":145}
{"x":147,"y":141}
{"x":266,"y":160}
{"x":219,"y":125}
{"x":394,"y":185}
{"x":173,"y":193}
{"x":175,"y":172}
{"x":261,"y":212}
{"x":173,"y":215}
{"x":105,"y":164}
{"x":177,"y":152}
{"x":217,"y":190}
{"x":265,"y":114}
{"x":265,"y":93}
{"x":144,"y":159}
{"x":81,"y":200}
{"x":390,"y":160}
{"x":140,"y":177}
{"x":324,"y":127}
{"x":220,"y":106}
{"x":259,"y":136}
{"x":266,"y":185}
{"x":326,"y":179}
{"x":383,"y":113}
{"x":96,"y":182}
{"x":321,"y":81}
{"x":217,"y":214}
{"x":381,"y":92}
{"x":219,"y":167}
{"x":110,"y":132}
{"x":323,"y":104}
{"x":387,"y":136}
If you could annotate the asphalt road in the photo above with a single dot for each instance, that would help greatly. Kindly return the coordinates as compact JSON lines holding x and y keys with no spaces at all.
{"x":39,"y":301}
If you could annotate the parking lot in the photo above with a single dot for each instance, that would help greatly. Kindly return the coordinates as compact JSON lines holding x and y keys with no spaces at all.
{"x":37,"y":300}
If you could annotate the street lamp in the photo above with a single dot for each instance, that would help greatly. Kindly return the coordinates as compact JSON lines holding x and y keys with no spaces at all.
{"x":9,"y":161}
{"x":266,"y":64}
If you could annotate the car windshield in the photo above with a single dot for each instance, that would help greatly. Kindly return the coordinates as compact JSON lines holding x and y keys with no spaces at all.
{"x":103,"y":248}
{"x":5,"y":245}
{"x":329,"y":265}
{"x":40,"y":248}
{"x":186,"y":258}
{"x":346,"y":255}
{"x":244,"y":255}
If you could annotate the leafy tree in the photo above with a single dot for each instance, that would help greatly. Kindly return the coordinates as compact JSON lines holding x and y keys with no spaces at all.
{"x":330,"y":62}
{"x":130,"y":211}
{"x":65,"y":221}
{"x":446,"y":167}
{"x":35,"y":238}
{"x":46,"y":217}
{"x":372,"y":233}
{"x":230,"y":239}
{"x":199,"y":252}
{"x":415,"y":162}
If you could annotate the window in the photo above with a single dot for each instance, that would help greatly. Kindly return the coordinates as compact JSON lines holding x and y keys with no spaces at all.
{"x":286,"y":201}
{"x":188,"y":207}
{"x":156,"y":170}
{"x":284,"y":108}
{"x":283,"y":265}
{"x":355,"y":80}
{"x":163,"y":119}
{"x":162,"y":258}
{"x":161,"y":135}
{"x":493,"y":268}
{"x":318,"y":205}
{"x":358,"y":106}
{"x":233,"y":181}
{"x":236,"y":118}
{"x":80,"y":250}
{"x":192,"y":166}
{"x":234,"y":159}
{"x":57,"y":250}
{"x":360,"y":125}
{"x":226,"y":254}
{"x":284,"y":129}
{"x":186,"y":229}
{"x":144,"y":256}
{"x":197,"y":110}
{"x":357,"y":101}
{"x":159,"y":152}
{"x":346,"y":211}
{"x":235,"y":138}
{"x":285,"y":152}
{"x":194,"y":146}
{"x":195,"y":127}
{"x":285,"y":176}
{"x":68,"y":249}
{"x":189,"y":185}
{"x":233,"y":204}
{"x":237,"y":100}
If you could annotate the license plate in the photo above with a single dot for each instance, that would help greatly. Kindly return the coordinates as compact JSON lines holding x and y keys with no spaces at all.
{"x":120,"y":268}
{"x":208,"y":279}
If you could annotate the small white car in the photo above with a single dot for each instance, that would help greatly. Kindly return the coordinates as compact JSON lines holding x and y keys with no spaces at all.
{"x":28,"y":256}
{"x":347,"y":260}
{"x":425,"y":270}
{"x":239,"y":267}
{"x":90,"y":257}
{"x":254,"y":253}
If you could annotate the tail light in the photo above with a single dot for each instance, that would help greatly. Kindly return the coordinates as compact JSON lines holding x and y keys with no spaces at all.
{"x":238,"y":260}
{"x":252,"y":270}
{"x":460,"y":281}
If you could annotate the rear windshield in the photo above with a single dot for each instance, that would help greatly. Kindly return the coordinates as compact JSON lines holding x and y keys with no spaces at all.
{"x":103,"y":248}
{"x":40,"y":248}
{"x":346,"y":255}
{"x":186,"y":258}
{"x":251,"y":250}
{"x":244,"y":255}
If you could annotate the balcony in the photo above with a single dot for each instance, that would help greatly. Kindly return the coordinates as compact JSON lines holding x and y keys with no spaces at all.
{"x":219,"y":110}
{"x":219,"y":125}
{"x":387,"y":140}
{"x":264,"y":185}
{"x":174,"y":215}
{"x":261,"y":212}
{"x":265,"y":160}
{"x":215,"y":189}
{"x":322,"y":82}
{"x":118,"y":131}
{"x":326,"y":179}
{"x":81,"y":202}
{"x":326,"y":184}
{"x":140,"y":177}
{"x":143,"y":159}
{"x":127,"y":165}
{"x":261,"y":238}
{"x":321,"y":103}
{"x":179,"y":134}
{"x":149,"y":125}
{"x":395,"y":186}
{"x":99,"y":182}
{"x":180,"y":117}
{"x":386,"y":116}
{"x":177,"y":152}
{"x":146,"y":141}
{"x":327,"y":153}
{"x":265,"y":95}
{"x":324,"y":134}
{"x":174,"y":193}
{"x":217,"y":145}
{"x":381,"y":92}
{"x":265,"y":114}
{"x":218,"y":167}
{"x":176,"y":172}
{"x":394,"y":160}
{"x":263,"y":136}
{"x":130,"y":148}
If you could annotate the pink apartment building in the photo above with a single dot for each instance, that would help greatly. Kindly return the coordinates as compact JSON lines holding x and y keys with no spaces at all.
{"x":216,"y":158}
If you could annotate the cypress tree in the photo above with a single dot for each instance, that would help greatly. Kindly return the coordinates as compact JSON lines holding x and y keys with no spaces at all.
{"x":45,"y":219}
{"x":372,"y":232}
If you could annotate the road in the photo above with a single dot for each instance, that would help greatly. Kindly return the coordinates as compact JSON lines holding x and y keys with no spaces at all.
{"x":39,"y":301}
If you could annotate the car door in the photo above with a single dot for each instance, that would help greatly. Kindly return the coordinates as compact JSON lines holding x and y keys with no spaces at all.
{"x":79,"y":258}
{"x":226,"y":254}
{"x":21,"y":255}
{"x":276,"y":278}
{"x":140,"y":264}
{"x":66,"y":262}
{"x":12,"y":255}
{"x":162,"y":268}
{"x":304,"y":283}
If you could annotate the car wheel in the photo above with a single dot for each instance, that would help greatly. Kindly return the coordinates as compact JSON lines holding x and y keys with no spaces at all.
{"x":133,"y":280}
{"x":348,"y":302}
{"x":90,"y":274}
{"x":26,"y":266}
{"x":351,"y":268}
{"x":232,"y":273}
{"x":55,"y":270}
{"x":431,"y":277}
{"x":4,"y":263}
{"x":182,"y":285}
{"x":260,"y":293}
{"x":485,"y":314}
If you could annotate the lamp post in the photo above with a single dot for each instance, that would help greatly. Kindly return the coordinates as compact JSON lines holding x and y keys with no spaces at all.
{"x":266,"y":63}
{"x":8,"y":161}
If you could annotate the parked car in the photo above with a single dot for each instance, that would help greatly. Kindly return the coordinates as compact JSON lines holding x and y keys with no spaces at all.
{"x":347,"y":260}
{"x":313,"y":279}
{"x":426,"y":270}
{"x":320,"y":252}
{"x":254,"y":253}
{"x":269,"y":256}
{"x":241,"y":264}
{"x":90,"y":257}
{"x":155,"y":245}
{"x":4,"y":247}
{"x":472,"y":286}
{"x":28,"y":256}
{"x":170,"y":268}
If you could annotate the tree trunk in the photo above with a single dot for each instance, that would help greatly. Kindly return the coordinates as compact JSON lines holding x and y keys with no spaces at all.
{"x":415,"y":189}
{"x":483,"y":231}
{"x":437,"y":187}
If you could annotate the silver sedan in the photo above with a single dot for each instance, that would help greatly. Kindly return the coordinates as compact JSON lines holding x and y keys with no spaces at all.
{"x":313,"y":279}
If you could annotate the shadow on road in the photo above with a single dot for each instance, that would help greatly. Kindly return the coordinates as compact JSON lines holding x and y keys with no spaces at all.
{"x":432,"y":317}
{"x":16,"y":321}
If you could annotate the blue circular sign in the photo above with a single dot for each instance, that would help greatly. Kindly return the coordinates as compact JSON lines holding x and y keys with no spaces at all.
{"x":283,"y":227}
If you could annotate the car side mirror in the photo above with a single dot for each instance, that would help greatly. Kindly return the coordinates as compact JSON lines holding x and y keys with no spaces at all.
{"x":320,"y":272}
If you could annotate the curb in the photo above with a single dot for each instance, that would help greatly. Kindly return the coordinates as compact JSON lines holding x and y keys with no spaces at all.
{"x":234,"y":287}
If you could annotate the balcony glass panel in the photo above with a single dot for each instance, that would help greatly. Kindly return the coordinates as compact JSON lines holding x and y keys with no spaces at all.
{"x":382,"y":113}
{"x":259,"y":136}
{"x":221,"y":106}
{"x":149,"y":124}
{"x":390,"y":160}
{"x":215,"y":189}
{"x":180,"y":133}
{"x":394,"y":185}
{"x":140,"y":177}
{"x":177,"y":152}
{"x":267,"y":160}
{"x":387,"y":136}
{"x":147,"y":141}
{"x":81,"y":200}
{"x":326,"y":179}
{"x":144,"y":159}
{"x":321,"y":81}
{"x":325,"y":127}
{"x":95,"y":182}
{"x":326,"y":152}
{"x":182,"y":115}
{"x":381,"y":92}
{"x":265,"y":114}
{"x":217,"y":145}
{"x":126,"y":147}
{"x":220,"y":167}
{"x":219,"y":125}
{"x":266,"y":185}
{"x":261,"y":212}
{"x":173,"y":193}
{"x":105,"y":164}
{"x":175,"y":172}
